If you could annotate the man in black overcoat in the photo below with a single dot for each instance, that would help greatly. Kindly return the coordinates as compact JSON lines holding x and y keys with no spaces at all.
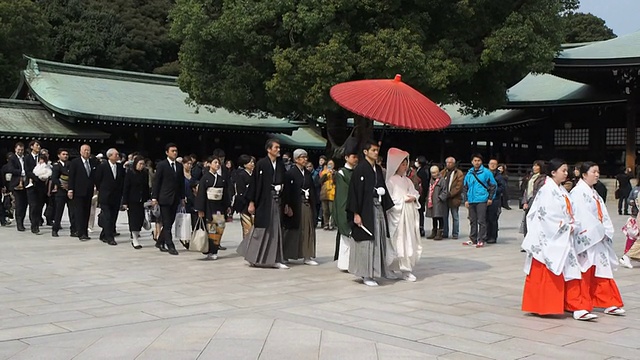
{"x":36,"y":192}
{"x":168,"y":192}
{"x":109,"y":179}
{"x":17,"y":183}
{"x":425,"y":178}
{"x":60,"y":183}
{"x":81,"y":187}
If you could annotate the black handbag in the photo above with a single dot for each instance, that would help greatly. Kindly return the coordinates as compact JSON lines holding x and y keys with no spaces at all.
{"x":101,"y":220}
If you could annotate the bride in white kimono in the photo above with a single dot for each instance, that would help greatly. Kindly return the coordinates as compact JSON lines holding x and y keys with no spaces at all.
{"x":403,"y":218}
{"x":593,"y":243}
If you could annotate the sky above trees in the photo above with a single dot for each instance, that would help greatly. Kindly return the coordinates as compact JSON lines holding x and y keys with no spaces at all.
{"x":620,"y":15}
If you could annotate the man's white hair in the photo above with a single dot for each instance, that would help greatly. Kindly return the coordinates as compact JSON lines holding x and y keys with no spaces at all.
{"x":111,"y":152}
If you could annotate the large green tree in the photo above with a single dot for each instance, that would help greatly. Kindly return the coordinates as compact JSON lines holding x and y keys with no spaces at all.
{"x":283,"y":56}
{"x":120,"y":34}
{"x":23,"y":30}
{"x":581,"y":27}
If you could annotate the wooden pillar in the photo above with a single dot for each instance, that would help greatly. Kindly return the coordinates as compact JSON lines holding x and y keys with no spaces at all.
{"x":631,"y":133}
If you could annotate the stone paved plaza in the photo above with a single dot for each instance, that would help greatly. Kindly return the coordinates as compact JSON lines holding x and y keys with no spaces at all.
{"x":64,"y":299}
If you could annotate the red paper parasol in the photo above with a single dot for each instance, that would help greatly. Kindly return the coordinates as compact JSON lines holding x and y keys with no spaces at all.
{"x":391,"y":102}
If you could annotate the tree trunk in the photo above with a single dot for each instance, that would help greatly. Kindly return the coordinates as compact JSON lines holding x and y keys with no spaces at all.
{"x":363,"y":130}
{"x":337,"y":133}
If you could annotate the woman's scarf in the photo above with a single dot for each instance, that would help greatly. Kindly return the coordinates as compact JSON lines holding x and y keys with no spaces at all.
{"x":431,"y":188}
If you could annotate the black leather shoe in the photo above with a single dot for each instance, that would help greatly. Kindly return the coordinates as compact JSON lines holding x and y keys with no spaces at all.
{"x":112,"y":242}
{"x":222,"y":248}
{"x":35,"y":231}
{"x":161,"y":247}
{"x":74,"y":234}
{"x":84,"y":238}
{"x":136,"y":247}
{"x":173,"y":252}
{"x":54,"y":233}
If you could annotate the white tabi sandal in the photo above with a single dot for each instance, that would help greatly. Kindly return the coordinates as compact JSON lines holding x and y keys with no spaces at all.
{"x":584,"y":315}
{"x":614,"y":310}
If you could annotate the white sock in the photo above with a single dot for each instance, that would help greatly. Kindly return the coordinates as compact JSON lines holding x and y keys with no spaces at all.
{"x":136,"y":235}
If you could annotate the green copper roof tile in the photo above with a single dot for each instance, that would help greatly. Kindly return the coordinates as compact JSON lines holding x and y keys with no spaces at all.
{"x":305,"y":138}
{"x":111,"y":95}
{"x":30,"y":119}
{"x":627,"y":46}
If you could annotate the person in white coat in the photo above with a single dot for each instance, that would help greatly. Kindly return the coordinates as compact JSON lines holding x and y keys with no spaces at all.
{"x":403,"y":217}
{"x":594,"y":245}
{"x":552,"y":285}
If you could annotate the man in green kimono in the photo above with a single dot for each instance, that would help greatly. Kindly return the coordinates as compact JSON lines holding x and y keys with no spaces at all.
{"x":343,"y":177}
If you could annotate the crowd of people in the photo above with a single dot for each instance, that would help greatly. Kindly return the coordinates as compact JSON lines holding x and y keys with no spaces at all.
{"x":378,"y":211}
{"x":281,"y":201}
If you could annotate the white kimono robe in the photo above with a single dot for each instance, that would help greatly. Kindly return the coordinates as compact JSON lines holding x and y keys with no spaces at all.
{"x":593,"y":232}
{"x":403,"y":218}
{"x":549,"y":239}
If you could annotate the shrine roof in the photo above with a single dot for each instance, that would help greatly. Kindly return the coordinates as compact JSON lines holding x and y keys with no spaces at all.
{"x":29,"y":119}
{"x":537,"y":90}
{"x":81,"y":92}
{"x":623,"y":50}
{"x":305,"y":137}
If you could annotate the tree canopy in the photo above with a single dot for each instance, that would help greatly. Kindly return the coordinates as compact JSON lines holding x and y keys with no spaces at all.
{"x":283,"y":56}
{"x":23,"y":30}
{"x":581,"y":27}
{"x":119,"y":34}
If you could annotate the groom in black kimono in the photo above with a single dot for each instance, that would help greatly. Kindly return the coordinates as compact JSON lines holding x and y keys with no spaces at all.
{"x":367,"y":204}
{"x":263,"y":246}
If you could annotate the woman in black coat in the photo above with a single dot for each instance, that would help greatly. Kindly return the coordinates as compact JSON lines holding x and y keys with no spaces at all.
{"x":136,"y":193}
{"x":242,"y":182}
{"x":212,"y":203}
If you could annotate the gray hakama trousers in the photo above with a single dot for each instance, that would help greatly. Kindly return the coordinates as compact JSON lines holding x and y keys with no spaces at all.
{"x":367,"y":258}
{"x":263,"y":246}
{"x":300,"y":243}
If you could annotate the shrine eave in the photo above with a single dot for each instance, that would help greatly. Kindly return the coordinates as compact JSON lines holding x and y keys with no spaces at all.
{"x":90,"y":95}
{"x":595,"y":64}
{"x":30,"y":120}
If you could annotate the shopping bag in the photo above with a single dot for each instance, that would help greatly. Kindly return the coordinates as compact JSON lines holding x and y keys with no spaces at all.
{"x":146,"y":224}
{"x":199,"y":238}
{"x":183,"y":227}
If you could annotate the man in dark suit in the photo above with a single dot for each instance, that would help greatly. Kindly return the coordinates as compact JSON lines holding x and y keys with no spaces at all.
{"x":60,"y":186}
{"x":17,"y":183}
{"x":81,"y":189}
{"x":109,"y":179}
{"x":168,"y":192}
{"x":37,"y":189}
{"x":425,"y":178}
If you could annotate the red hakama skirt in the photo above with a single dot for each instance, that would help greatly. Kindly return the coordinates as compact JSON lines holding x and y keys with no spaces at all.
{"x":543,"y":291}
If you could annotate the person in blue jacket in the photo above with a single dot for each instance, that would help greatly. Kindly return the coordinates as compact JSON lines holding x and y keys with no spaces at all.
{"x":478,"y":192}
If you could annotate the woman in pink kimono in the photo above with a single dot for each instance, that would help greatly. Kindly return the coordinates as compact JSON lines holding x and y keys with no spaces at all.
{"x":404,"y":223}
{"x":594,"y":245}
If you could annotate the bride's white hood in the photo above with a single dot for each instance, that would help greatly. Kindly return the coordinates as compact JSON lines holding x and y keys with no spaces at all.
{"x":395,"y":157}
